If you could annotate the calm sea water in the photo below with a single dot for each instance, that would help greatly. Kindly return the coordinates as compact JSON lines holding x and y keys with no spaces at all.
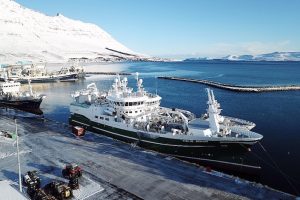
{"x":276,"y":114}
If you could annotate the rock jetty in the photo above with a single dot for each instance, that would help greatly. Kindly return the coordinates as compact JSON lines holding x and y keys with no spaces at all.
{"x":236,"y":88}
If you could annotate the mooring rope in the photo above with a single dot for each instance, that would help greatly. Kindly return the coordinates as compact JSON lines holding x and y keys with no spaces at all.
{"x":274,"y":167}
{"x":278,"y":168}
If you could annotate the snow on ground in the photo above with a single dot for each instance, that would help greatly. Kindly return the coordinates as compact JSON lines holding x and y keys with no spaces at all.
{"x":9,"y":149}
{"x":87,"y":188}
{"x":122,"y":171}
{"x":8,"y":192}
{"x":6,"y":154}
{"x":5,"y":140}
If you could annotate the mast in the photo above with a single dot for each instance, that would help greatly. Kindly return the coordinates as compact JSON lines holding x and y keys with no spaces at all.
{"x":137,"y":80}
{"x":213,"y":112}
{"x":139,"y":83}
{"x":156,"y":85}
{"x":30,"y":86}
{"x":18,"y":155}
{"x":5,"y":74}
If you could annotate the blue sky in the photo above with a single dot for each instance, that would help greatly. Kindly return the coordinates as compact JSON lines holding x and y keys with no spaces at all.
{"x":185,"y":28}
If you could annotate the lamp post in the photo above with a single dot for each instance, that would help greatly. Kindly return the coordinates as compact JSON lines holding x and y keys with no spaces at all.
{"x":17,"y":137}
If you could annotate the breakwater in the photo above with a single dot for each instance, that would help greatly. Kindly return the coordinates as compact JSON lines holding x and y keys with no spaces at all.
{"x":236,"y":88}
{"x":109,"y":73}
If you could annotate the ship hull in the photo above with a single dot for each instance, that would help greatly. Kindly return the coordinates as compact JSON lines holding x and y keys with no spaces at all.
{"x":68,"y":78}
{"x":174,"y":147}
{"x":32,"y":106}
{"x":39,"y":80}
{"x":51,"y":79}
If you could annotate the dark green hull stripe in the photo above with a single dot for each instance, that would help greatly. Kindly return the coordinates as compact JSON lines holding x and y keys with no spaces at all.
{"x":131,"y":136}
{"x":147,"y":141}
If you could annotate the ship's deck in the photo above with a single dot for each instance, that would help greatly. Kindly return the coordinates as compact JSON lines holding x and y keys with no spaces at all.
{"x":198,"y":127}
{"x":83,"y":105}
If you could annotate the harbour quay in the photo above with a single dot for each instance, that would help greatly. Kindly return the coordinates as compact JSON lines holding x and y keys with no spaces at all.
{"x":123,"y":170}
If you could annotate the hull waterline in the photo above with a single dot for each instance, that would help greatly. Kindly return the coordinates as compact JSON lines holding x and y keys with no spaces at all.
{"x":32,"y":106}
{"x":216,"y":155}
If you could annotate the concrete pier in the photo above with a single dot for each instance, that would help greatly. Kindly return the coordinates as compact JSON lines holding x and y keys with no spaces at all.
{"x":124,"y":171}
{"x":235,"y":88}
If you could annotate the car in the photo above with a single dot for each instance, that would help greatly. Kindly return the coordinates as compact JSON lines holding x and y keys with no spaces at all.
{"x":30,"y":179}
{"x":40,"y":194}
{"x":71,"y":171}
{"x":59,"y":190}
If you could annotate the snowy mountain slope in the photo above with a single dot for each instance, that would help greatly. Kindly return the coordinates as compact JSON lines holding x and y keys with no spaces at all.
{"x":30,"y":35}
{"x":275,"y":56}
{"x":279,"y":56}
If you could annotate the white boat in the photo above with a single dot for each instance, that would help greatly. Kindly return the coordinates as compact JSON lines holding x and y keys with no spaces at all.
{"x":137,"y":117}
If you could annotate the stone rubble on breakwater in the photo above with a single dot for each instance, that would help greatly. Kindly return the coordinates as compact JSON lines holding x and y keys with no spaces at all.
{"x":236,"y":88}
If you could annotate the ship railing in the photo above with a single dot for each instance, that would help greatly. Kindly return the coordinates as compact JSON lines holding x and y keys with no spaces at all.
{"x":138,"y":115}
{"x":242,"y":121}
{"x":151,"y":95}
{"x":186,"y":113}
{"x":245,"y":132}
{"x":134,"y":95}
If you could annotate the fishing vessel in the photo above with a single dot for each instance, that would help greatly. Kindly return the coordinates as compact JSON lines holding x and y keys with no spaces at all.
{"x":12,"y":97}
{"x":136,"y":117}
{"x":40,"y":75}
{"x":37,"y":73}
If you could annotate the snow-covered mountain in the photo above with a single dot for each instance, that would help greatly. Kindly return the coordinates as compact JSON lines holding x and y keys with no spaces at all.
{"x":275,"y":56}
{"x":29,"y":35}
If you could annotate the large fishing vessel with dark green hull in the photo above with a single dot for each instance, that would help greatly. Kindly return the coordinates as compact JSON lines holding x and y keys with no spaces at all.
{"x":136,"y":117}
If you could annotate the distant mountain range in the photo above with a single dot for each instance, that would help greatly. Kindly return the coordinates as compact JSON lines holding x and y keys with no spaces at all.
{"x":27,"y":35}
{"x":275,"y":56}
